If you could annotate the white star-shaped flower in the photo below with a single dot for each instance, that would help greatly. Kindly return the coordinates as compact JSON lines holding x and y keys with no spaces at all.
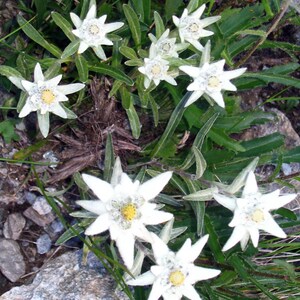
{"x":210,"y":79}
{"x":44,"y":96}
{"x":165,"y":47}
{"x":156,"y":70}
{"x":124,"y":209}
{"x":252,"y":213}
{"x":175,"y":273}
{"x":92,"y":31}
{"x":190,"y":27}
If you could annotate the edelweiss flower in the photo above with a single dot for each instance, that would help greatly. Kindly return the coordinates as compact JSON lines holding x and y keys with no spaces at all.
{"x":165,"y":47}
{"x":191,"y":27}
{"x":124,"y":208}
{"x":175,"y":273}
{"x":155,"y":69}
{"x":210,"y":79}
{"x":251,"y":213}
{"x":92,"y":31}
{"x":44,"y":96}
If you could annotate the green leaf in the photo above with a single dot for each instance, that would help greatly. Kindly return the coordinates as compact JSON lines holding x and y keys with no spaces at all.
{"x":200,"y":162}
{"x":26,"y":152}
{"x":134,"y":24}
{"x":64,"y":25}
{"x":220,"y":138}
{"x":134,"y":63}
{"x":7,"y":130}
{"x":252,"y":32}
{"x":261,"y":145}
{"x":53,"y":70}
{"x":174,"y":120}
{"x":198,"y":206}
{"x":111,"y":71}
{"x":213,"y":241}
{"x":287,"y":267}
{"x":193,"y":5}
{"x":154,"y":108}
{"x":128,"y":52}
{"x":190,"y":159}
{"x":80,"y":182}
{"x":9,"y":71}
{"x":202,"y":195}
{"x":109,"y":159}
{"x":292,"y":155}
{"x":74,"y":231}
{"x":159,"y":25}
{"x":171,"y":8}
{"x":132,"y":115}
{"x":70,"y":49}
{"x":82,"y":68}
{"x":287,"y":213}
{"x":22,"y":101}
{"x":267,"y":78}
{"x":32,"y":33}
{"x":70,"y":113}
{"x":134,"y":122}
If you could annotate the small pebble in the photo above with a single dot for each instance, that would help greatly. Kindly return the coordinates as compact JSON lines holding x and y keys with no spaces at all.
{"x":57,"y":226}
{"x":43,"y":244}
{"x":30,"y":197}
{"x":41,"y":206}
{"x":286,"y":169}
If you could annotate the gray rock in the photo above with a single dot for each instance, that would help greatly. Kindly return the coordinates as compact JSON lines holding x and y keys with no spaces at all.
{"x":43,"y":244}
{"x":34,"y":216}
{"x":13,"y":226}
{"x":29,"y":197}
{"x":12,"y":264}
{"x":57,"y":226}
{"x":66,"y":278}
{"x":41,"y":206}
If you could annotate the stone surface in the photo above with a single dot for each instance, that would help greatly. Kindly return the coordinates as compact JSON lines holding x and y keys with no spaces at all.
{"x":12,"y":264}
{"x":43,"y":244}
{"x":41,"y":206}
{"x":41,"y":220}
{"x":66,"y":278}
{"x":280,"y":124}
{"x":13,"y":226}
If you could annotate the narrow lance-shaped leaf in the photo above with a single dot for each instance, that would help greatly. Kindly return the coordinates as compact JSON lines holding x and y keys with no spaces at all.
{"x":109,"y":158}
{"x":82,"y":67}
{"x":64,"y":25}
{"x":172,"y":124}
{"x":53,"y":70}
{"x":159,"y":25}
{"x":111,"y":71}
{"x":71,"y":49}
{"x":128,"y":52}
{"x":198,"y":142}
{"x":198,"y":207}
{"x":134,"y":24}
{"x":32,"y":33}
{"x":200,"y":162}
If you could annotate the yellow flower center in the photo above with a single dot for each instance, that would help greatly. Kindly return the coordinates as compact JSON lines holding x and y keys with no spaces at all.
{"x":156,"y":70}
{"x":94,"y":29}
{"x":129,"y":212}
{"x":47,"y":96}
{"x":258,"y":216}
{"x":176,"y":278}
{"x":194,"y":27}
{"x":213,"y":81}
